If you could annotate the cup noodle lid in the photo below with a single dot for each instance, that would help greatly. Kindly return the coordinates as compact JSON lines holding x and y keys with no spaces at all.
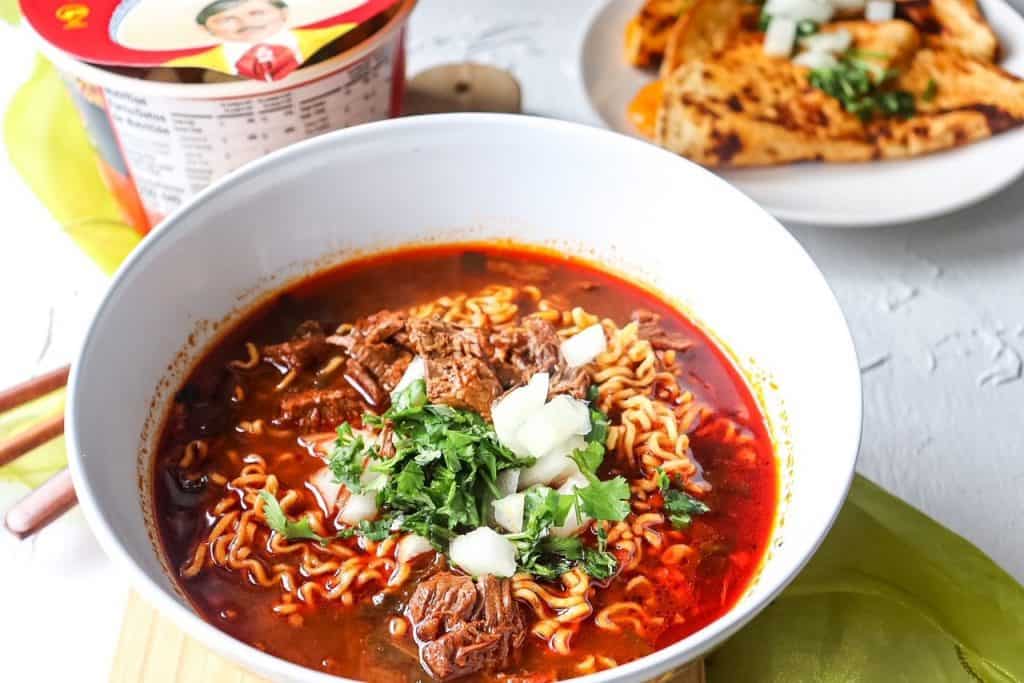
{"x":260,"y":39}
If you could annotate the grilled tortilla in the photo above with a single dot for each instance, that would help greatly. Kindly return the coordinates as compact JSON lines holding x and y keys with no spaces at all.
{"x":740,"y":107}
{"x":709,"y":27}
{"x":663,"y":28}
{"x":953,"y":25}
{"x":648,"y":32}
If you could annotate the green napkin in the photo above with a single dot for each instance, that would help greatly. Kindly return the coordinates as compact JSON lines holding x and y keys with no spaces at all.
{"x":891,"y":595}
{"x":9,"y":11}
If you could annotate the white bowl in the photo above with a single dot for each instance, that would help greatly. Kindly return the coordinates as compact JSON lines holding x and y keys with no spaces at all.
{"x":660,"y":219}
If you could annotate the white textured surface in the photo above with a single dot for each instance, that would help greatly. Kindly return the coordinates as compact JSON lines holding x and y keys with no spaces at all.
{"x":936,"y":309}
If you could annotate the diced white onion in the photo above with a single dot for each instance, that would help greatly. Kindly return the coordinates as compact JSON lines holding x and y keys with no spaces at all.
{"x":573,"y":522}
{"x":571,"y":444}
{"x":780,"y":36}
{"x":484,"y":551}
{"x":560,"y":418}
{"x":369,"y":477}
{"x":508,"y":512}
{"x":359,"y":507}
{"x":797,"y":10}
{"x":879,"y":10}
{"x":576,"y":481}
{"x":551,"y":469}
{"x":833,"y":41}
{"x":328,"y":489}
{"x":416,"y":369}
{"x":412,"y":545}
{"x":511,"y":411}
{"x":508,"y":482}
{"x":585,"y":346}
{"x":816,"y":60}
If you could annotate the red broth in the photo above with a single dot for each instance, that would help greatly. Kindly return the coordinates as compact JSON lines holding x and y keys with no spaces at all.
{"x":731,"y":540}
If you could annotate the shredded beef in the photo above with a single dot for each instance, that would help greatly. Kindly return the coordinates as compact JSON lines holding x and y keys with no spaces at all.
{"x":376,"y":343}
{"x":366,"y":383}
{"x":308,"y":347}
{"x":320,"y":409}
{"x":466,"y":367}
{"x":522,"y":352}
{"x":382,"y":326}
{"x":457,"y":369}
{"x":431,"y":337}
{"x":440,"y":603}
{"x":463,"y":628}
{"x":650,"y":329}
{"x":572,"y":381}
{"x":462,"y":382}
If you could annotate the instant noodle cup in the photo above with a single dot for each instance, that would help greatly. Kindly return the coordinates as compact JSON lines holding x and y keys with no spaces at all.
{"x":175,"y":95}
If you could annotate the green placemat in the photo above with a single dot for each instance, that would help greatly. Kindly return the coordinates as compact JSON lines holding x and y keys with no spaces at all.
{"x":891,"y":596}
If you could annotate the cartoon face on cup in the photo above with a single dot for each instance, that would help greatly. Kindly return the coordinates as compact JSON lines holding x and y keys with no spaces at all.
{"x":244,"y":21}
{"x":263,"y":40}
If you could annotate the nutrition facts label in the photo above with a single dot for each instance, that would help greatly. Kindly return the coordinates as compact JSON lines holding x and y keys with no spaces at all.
{"x":176,"y":147}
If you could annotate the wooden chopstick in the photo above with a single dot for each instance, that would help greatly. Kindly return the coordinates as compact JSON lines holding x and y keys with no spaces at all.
{"x":42,"y":506}
{"x":33,"y":388}
{"x":38,"y":434}
{"x":57,"y":495}
{"x":33,"y":437}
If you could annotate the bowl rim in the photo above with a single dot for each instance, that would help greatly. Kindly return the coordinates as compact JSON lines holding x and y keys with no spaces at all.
{"x":190,"y":622}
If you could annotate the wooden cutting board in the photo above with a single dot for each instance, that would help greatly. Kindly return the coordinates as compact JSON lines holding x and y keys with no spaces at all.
{"x":152,"y":650}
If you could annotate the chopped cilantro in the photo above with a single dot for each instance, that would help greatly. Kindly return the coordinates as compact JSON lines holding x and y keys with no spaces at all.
{"x":548,"y":557}
{"x":607,"y":500}
{"x":602,"y":500}
{"x":279,"y":521}
{"x":346,"y":460}
{"x":931,"y":90}
{"x":442,"y":477}
{"x":371,"y":530}
{"x":807,"y":27}
{"x":598,"y":562}
{"x":859,"y":84}
{"x":443,"y":473}
{"x":590,"y":458}
{"x":598,"y":426}
{"x":680,"y":506}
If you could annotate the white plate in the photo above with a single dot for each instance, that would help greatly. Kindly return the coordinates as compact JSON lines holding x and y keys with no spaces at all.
{"x":838,"y":195}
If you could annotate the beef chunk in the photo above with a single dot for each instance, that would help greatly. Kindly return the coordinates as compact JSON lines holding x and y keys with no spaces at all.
{"x":463,"y":628}
{"x":462,"y":382}
{"x":431,"y":337}
{"x":321,"y":409}
{"x":464,"y":650}
{"x":359,"y":377}
{"x":440,"y":603}
{"x":521,"y":352}
{"x":572,"y":381}
{"x":650,"y":329}
{"x":457,"y":367}
{"x":386,"y":361}
{"x":376,"y":343}
{"x":382,"y":326}
{"x":308,"y":347}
